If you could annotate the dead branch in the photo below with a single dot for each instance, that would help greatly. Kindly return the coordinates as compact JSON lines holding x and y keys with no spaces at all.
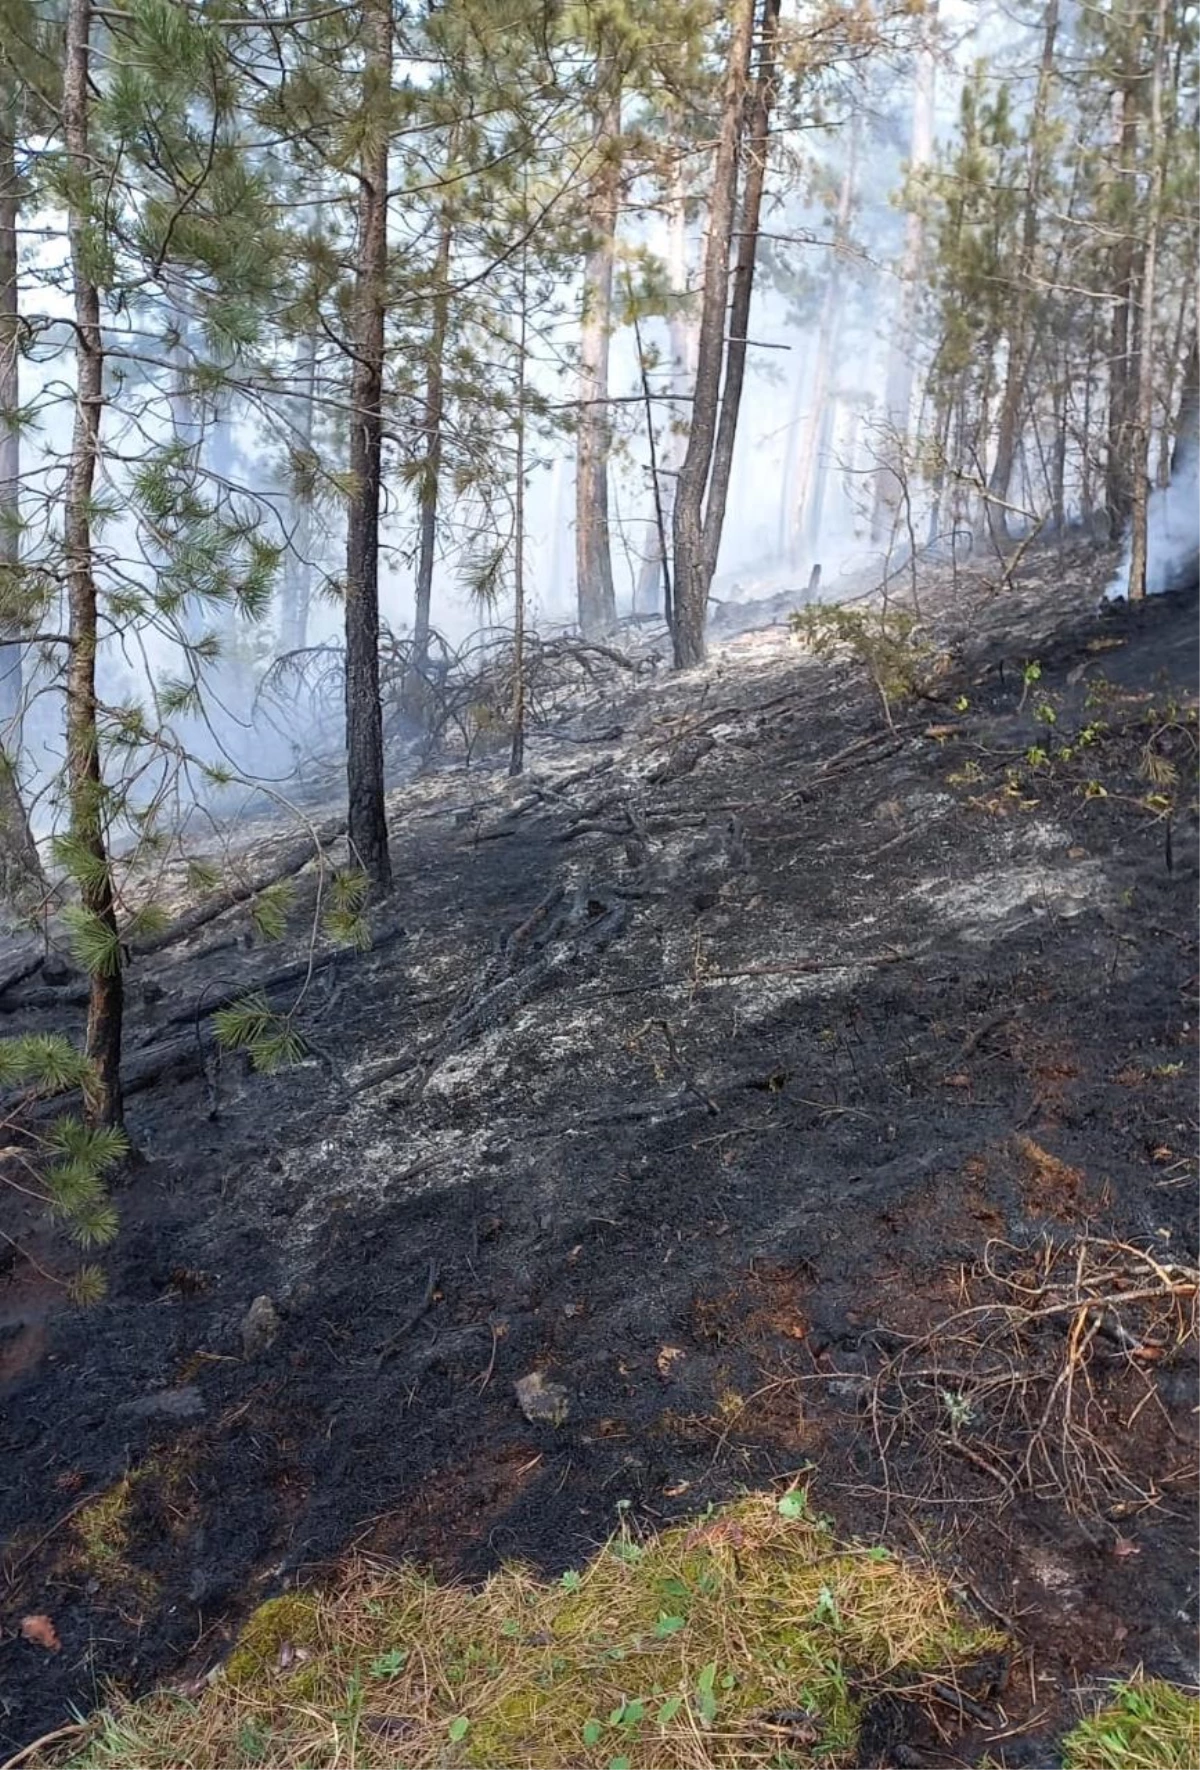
{"x":204,"y":1005}
{"x":292,"y":861}
{"x":1023,"y":1384}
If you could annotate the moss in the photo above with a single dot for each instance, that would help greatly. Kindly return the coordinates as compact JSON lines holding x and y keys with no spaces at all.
{"x":148,"y":1501}
{"x":102,"y":1530}
{"x":670,"y":1650}
{"x":294,"y":1618}
{"x":101,"y":1541}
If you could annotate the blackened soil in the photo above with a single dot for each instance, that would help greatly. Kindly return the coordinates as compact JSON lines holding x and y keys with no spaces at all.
{"x":699,"y":1141}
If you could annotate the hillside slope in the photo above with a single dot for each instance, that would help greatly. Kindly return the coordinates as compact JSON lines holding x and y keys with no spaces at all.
{"x":707,"y":1070}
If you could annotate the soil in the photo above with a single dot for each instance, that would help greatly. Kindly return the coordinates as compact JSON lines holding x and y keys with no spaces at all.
{"x":703,"y":1141}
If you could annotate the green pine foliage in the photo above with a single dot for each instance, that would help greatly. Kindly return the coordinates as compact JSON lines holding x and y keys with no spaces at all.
{"x":68,"y":1165}
{"x":269,"y":1039}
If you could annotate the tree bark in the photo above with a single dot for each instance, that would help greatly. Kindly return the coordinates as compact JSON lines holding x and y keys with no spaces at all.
{"x":20,"y":868}
{"x":516,"y":758}
{"x":1187,"y":421}
{"x":593,"y":555}
{"x":367,"y":822}
{"x":1017,"y":368}
{"x":431,"y":423}
{"x":1121,"y":383}
{"x":681,"y":333}
{"x":1143,"y":367}
{"x":703,"y":484}
{"x":85,"y":786}
{"x":758,"y":118}
{"x":901,"y":367}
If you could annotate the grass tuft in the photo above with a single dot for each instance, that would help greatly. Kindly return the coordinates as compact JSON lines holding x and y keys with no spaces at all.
{"x":749,"y":1638}
{"x":1147,"y":1724}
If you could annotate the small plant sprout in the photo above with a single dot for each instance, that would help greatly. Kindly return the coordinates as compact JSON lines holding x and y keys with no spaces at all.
{"x":1031,"y":674}
{"x":957,"y":1409}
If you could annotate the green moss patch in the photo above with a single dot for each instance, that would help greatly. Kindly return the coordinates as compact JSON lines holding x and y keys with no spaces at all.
{"x":748,"y":1638}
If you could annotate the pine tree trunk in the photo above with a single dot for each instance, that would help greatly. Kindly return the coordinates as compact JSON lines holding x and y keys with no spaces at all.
{"x":1017,"y":367}
{"x":681,"y":332}
{"x":901,"y":366}
{"x":1143,"y":366}
{"x":593,"y":554}
{"x":1058,"y":475}
{"x":516,"y":757}
{"x":1121,"y":385}
{"x":20,"y":868}
{"x":758,"y":116}
{"x":698,"y":518}
{"x":367,"y":823}
{"x":85,"y":787}
{"x":1186,"y":449}
{"x":431,"y":423}
{"x":1176,"y":363}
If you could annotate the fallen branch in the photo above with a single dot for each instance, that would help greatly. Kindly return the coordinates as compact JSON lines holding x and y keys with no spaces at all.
{"x":286,"y":866}
{"x":805,"y":967}
{"x":24,"y":968}
{"x":203,"y":1005}
{"x":1017,"y":1386}
{"x":422,"y":1309}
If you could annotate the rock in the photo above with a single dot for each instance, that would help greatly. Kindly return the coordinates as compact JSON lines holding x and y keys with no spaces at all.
{"x":260,"y":1327}
{"x":186,"y":1403}
{"x":541,"y":1402}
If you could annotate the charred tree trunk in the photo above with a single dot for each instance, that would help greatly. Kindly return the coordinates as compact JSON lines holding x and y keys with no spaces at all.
{"x":85,"y":786}
{"x":681,"y":331}
{"x":1017,"y":369}
{"x":1186,"y":447}
{"x":367,"y":822}
{"x":691,"y":585}
{"x":1143,"y":365}
{"x":704,"y":476}
{"x":593,"y":554}
{"x":20,"y":869}
{"x":1117,"y":479}
{"x":516,"y":758}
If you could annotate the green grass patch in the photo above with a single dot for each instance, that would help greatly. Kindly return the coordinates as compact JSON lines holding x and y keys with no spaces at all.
{"x":1147,"y":1725}
{"x":696,"y":1648}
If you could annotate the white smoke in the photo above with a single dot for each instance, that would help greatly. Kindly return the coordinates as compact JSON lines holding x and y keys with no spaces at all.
{"x":1173,"y":534}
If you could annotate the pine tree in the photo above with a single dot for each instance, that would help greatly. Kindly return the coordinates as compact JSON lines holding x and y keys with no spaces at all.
{"x":593,"y":556}
{"x":703,"y":483}
{"x":1143,"y":395}
{"x":364,"y":718}
{"x":1021,"y":304}
{"x":28,"y":86}
{"x":106,"y":1000}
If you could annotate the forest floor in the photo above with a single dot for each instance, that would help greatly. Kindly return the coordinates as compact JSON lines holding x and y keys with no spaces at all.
{"x":799,"y":1092}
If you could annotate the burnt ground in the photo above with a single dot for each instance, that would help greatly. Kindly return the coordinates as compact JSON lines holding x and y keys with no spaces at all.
{"x":825,"y":1019}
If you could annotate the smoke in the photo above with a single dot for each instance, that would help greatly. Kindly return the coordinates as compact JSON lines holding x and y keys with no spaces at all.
{"x":1173,"y":534}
